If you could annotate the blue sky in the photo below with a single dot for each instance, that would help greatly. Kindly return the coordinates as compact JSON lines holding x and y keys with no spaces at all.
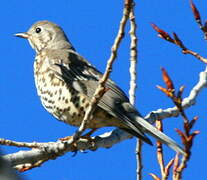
{"x":91,"y":26}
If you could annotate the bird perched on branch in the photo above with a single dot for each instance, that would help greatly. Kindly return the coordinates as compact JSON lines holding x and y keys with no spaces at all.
{"x":66,"y":82}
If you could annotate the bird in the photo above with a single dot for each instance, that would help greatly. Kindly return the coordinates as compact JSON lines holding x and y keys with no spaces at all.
{"x":66,"y":82}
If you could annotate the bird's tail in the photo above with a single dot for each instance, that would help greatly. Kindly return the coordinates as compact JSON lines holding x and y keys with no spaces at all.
{"x":150,"y":129}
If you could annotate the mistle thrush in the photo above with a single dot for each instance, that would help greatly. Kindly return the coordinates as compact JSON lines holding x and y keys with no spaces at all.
{"x":66,"y":82}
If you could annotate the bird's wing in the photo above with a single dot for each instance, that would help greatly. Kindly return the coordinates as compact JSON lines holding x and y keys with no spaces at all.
{"x":84,"y":78}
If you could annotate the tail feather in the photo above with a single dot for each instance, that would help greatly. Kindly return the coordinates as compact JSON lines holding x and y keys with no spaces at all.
{"x":138,"y":134}
{"x":150,"y":129}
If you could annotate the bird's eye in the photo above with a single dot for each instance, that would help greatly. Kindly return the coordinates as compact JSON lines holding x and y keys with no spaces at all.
{"x":38,"y":30}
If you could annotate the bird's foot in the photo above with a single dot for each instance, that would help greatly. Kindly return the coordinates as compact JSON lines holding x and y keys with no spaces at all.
{"x":74,"y":145}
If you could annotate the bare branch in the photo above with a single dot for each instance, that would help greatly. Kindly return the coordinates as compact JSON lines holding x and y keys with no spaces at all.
{"x":133,"y":56}
{"x":139,"y":159}
{"x":19,"y":144}
{"x":51,"y":150}
{"x":160,"y":157}
{"x":165,"y":170}
{"x":196,"y":55}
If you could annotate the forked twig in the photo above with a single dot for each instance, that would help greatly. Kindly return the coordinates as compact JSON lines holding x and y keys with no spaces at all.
{"x":176,"y":40}
{"x":186,"y":136}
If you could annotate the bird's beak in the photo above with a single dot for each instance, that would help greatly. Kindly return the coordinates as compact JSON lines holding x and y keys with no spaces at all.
{"x":22,"y":35}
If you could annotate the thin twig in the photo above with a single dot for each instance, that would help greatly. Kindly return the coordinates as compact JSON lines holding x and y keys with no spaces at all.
{"x":175,"y":166}
{"x":179,"y":170}
{"x":160,"y":157}
{"x":199,"y":57}
{"x":187,"y":139}
{"x":165,"y":169}
{"x":19,"y":144}
{"x":178,"y":42}
{"x":133,"y":56}
{"x":168,"y":166}
{"x":139,"y":158}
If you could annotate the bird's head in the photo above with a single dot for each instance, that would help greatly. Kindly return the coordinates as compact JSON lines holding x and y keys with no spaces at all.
{"x":45,"y":34}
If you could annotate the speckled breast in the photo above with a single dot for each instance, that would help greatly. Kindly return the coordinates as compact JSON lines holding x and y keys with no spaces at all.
{"x":58,"y":98}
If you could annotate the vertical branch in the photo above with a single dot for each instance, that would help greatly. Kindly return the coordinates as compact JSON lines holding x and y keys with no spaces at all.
{"x":178,"y":171}
{"x":133,"y":85}
{"x":160,"y":157}
{"x":133,"y":56}
{"x":164,"y":169}
{"x":139,"y":159}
